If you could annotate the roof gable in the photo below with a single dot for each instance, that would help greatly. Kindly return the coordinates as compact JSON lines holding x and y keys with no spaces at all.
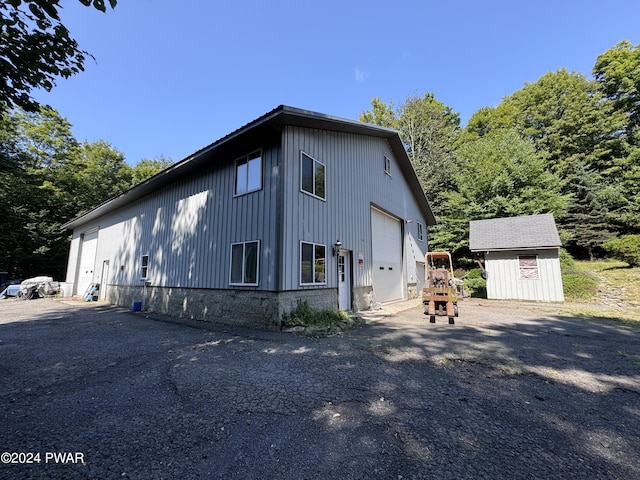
{"x":265,"y":125}
{"x":514,"y":233}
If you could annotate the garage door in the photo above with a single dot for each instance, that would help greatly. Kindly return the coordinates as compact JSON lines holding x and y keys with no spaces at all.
{"x":386,"y":236}
{"x":87,"y":261}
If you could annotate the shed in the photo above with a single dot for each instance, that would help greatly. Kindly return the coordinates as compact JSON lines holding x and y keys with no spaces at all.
{"x":521,"y":257}
{"x":293,"y":206}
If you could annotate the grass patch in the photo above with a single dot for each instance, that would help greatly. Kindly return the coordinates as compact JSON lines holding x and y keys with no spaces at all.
{"x":306,"y":316}
{"x":579,"y":286}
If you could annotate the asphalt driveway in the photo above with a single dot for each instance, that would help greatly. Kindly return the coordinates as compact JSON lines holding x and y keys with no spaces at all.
{"x":93,"y":391}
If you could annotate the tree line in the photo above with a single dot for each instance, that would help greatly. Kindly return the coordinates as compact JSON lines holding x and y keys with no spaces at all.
{"x":47,"y":178}
{"x":565,"y":145}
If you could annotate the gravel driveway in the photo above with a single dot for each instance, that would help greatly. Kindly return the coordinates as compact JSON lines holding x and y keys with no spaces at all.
{"x":94,"y":391}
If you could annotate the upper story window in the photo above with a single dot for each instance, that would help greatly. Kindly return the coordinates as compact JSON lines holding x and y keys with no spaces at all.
{"x":387,"y":165}
{"x":312,"y":180}
{"x":144,"y":270}
{"x":244,"y":263}
{"x":249,"y":173}
{"x":420,"y":231}
{"x":528,"y":265}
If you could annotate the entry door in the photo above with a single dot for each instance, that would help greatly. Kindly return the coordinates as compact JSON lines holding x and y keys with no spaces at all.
{"x":344,"y":280}
{"x":87,"y":262}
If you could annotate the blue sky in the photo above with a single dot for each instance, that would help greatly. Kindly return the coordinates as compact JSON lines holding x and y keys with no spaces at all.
{"x":171,"y":77}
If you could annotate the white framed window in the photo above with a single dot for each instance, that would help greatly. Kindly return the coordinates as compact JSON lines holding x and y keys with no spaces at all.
{"x":249,"y":173}
{"x":420,"y":231}
{"x":244,"y":263}
{"x":312,"y":178}
{"x":387,"y":165}
{"x":313,"y":260}
{"x":528,"y":265}
{"x":144,"y":267}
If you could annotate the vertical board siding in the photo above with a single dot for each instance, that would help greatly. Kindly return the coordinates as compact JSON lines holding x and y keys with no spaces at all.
{"x":187,"y":229}
{"x":504,"y":282}
{"x":355,"y":180}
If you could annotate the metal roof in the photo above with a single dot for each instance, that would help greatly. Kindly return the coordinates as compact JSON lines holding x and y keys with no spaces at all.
{"x":264,"y":126}
{"x":513,"y":233}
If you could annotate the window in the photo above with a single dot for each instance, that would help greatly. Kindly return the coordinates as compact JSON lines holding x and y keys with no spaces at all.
{"x":312,"y":176}
{"x":528,"y":266}
{"x":249,"y":173}
{"x":312,"y":264}
{"x":244,"y":263}
{"x":420,"y":234}
{"x":145,"y":267}
{"x":387,"y":165}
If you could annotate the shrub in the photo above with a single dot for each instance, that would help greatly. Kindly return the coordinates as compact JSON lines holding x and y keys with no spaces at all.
{"x":474,"y":284}
{"x":307,"y":316}
{"x":625,"y":248}
{"x":566,"y":260}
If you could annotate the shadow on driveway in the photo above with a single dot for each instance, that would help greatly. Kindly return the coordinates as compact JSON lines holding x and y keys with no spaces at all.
{"x":502,"y":394}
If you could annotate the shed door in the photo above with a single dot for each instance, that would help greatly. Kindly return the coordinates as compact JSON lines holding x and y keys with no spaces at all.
{"x":87,"y":261}
{"x":386,"y":235}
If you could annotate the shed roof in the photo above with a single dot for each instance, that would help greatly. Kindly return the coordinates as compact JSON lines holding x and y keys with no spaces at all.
{"x":262,"y":127}
{"x":513,"y":233}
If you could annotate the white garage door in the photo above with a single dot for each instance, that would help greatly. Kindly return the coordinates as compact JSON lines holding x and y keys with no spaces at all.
{"x":387,"y":256}
{"x":87,"y":262}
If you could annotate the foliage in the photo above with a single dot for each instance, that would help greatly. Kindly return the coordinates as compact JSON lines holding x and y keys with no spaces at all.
{"x":35,"y":48}
{"x":625,"y":248}
{"x":587,"y":217}
{"x":498,"y":175}
{"x":474,"y":284}
{"x":47,"y":178}
{"x":147,"y":168}
{"x":618,"y":73}
{"x":305,"y":315}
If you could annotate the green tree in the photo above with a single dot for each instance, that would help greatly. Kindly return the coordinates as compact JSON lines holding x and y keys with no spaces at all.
{"x":381,"y":114}
{"x":618,"y":73}
{"x":567,"y":119}
{"x":498,"y":175}
{"x":53,"y":179}
{"x":147,"y":168}
{"x":587,"y":217}
{"x":35,"y":49}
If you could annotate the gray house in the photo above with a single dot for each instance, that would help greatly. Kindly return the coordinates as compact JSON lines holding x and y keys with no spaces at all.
{"x":521,"y":256}
{"x":295,"y":205}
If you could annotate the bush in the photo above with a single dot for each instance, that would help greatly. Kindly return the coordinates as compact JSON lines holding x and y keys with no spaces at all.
{"x":307,"y":316}
{"x":474,"y":284}
{"x":625,"y":248}
{"x":566,"y":260}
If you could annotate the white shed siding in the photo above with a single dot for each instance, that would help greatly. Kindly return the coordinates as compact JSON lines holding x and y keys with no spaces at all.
{"x":355,"y":181}
{"x":504,"y":282}
{"x":187,"y":229}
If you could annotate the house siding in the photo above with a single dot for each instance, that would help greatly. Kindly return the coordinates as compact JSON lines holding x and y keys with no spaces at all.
{"x":504,"y":282}
{"x":355,"y":181}
{"x":187,"y":230}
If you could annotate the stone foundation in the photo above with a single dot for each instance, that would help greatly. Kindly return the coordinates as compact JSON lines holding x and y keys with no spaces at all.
{"x":250,"y":308}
